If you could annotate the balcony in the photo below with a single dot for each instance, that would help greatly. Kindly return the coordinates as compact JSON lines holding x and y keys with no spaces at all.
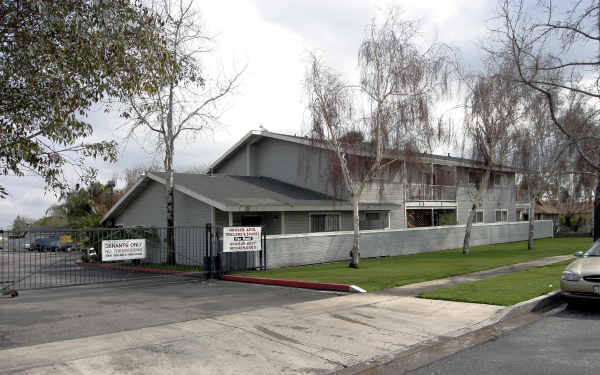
{"x":430,"y":193}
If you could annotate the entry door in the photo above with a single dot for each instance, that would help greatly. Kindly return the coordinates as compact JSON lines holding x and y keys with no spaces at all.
{"x":251,"y":220}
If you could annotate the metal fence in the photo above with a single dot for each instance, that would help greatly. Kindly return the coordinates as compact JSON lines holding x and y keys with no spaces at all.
{"x":42,"y":259}
{"x":220,"y":262}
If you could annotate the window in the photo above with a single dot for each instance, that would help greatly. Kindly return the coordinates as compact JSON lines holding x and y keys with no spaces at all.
{"x":374,"y":220}
{"x":329,"y":222}
{"x":251,"y":220}
{"x":497,"y":179}
{"x":478,"y":219}
{"x":372,"y":216}
{"x":501,"y":215}
{"x":522,"y":214}
{"x":475,"y":178}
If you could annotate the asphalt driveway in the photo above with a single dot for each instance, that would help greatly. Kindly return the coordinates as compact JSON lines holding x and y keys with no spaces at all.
{"x":46,"y":315}
{"x":565,"y":343}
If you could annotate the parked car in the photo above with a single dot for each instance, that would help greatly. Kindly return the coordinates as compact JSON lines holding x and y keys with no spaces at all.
{"x":581,"y":279}
{"x":42,"y":244}
{"x":51,"y":243}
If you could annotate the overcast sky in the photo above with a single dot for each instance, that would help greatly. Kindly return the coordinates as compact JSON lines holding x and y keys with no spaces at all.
{"x":274,"y":38}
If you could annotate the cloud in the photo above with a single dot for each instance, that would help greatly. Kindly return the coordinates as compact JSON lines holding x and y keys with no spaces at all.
{"x":273,"y":40}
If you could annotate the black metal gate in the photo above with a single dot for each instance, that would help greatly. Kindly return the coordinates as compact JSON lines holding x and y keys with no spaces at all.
{"x":52,"y":258}
{"x":219,"y":262}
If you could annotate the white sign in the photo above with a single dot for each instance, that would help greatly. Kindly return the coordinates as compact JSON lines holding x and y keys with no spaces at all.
{"x":123,"y":249}
{"x":237,"y":239}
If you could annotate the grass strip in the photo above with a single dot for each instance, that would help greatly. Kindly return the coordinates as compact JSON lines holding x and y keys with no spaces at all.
{"x":381,"y":273}
{"x":504,"y":290}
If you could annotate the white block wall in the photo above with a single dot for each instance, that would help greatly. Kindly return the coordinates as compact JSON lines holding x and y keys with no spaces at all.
{"x":312,"y":248}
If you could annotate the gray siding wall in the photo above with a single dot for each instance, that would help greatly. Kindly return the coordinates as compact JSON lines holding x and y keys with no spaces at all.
{"x":398,"y":219}
{"x":296,"y":250}
{"x":296,"y":222}
{"x":235,"y":165}
{"x":346,"y":223}
{"x":149,"y":209}
{"x":295,"y":164}
{"x":221,"y":217}
{"x":497,"y":197}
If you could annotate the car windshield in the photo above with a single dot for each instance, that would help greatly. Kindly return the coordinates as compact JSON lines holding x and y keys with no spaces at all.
{"x":593,"y":251}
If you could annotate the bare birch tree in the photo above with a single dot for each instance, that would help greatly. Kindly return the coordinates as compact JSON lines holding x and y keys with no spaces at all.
{"x":372,"y":125}
{"x":556,"y":49}
{"x":186,"y":101}
{"x":492,"y":108}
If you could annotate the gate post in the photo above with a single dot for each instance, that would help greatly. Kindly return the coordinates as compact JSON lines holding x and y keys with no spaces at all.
{"x":264,"y":250}
{"x":208,"y":256}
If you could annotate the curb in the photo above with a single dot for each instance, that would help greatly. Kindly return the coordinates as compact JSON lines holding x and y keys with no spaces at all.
{"x":513,"y":317}
{"x":536,"y":304}
{"x":143,"y":269}
{"x":296,"y":284}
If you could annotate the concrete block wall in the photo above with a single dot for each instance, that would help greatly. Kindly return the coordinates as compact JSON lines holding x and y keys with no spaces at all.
{"x":303,"y":249}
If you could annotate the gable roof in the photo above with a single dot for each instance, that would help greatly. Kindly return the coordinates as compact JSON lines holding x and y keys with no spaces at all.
{"x":255,"y":135}
{"x":240,"y":193}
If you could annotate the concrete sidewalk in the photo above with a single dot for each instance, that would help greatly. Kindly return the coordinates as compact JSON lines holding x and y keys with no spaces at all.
{"x":306,"y":338}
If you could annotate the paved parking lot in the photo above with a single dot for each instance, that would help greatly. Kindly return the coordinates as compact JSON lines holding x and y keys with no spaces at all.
{"x":41,"y":316}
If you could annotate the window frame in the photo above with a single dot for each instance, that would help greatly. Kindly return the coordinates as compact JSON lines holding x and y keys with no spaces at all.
{"x":520,"y":209}
{"x":502,"y":211}
{"x":482,"y":216}
{"x":498,"y":179}
{"x":317,"y":213}
{"x":384,"y":216}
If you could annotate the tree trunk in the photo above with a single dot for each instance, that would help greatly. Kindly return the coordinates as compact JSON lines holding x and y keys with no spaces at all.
{"x":467,"y":240}
{"x":481,"y":189}
{"x":597,"y":210}
{"x":531,"y":223}
{"x":170,"y":186}
{"x":355,"y":253}
{"x":170,"y":218}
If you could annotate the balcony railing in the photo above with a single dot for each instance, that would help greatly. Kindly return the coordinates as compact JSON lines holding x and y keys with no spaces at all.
{"x":430,"y":193}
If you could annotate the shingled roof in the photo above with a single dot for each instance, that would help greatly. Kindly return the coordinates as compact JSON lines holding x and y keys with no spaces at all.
{"x":242,"y":193}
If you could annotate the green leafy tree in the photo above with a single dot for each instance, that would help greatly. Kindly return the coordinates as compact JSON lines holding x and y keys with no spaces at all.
{"x":57,"y":59}
{"x":21,"y":223}
{"x":82,"y":207}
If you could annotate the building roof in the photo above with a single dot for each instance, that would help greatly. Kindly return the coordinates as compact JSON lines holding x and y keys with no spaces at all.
{"x":255,"y":135}
{"x":241,"y":193}
{"x":553,"y":208}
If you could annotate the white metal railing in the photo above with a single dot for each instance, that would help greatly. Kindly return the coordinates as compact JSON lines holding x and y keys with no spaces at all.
{"x":430,"y":193}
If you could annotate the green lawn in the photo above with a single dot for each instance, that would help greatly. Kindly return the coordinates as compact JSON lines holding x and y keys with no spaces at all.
{"x":506,"y":289}
{"x":381,"y":273}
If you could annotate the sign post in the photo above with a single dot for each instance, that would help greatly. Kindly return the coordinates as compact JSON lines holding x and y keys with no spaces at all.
{"x":241,"y":239}
{"x":123,"y":249}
